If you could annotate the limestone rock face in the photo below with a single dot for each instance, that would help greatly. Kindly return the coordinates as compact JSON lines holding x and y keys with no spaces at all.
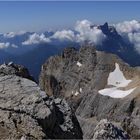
{"x":80,"y":75}
{"x":106,"y":130}
{"x":27,"y":112}
{"x":72,"y":72}
{"x":23,"y":110}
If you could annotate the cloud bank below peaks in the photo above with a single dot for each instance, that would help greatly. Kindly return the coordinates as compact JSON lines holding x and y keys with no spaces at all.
{"x":7,"y":45}
{"x":82,"y":32}
{"x":128,"y":27}
{"x":131,"y":31}
{"x":36,"y":39}
{"x":86,"y":33}
{"x":64,"y":35}
{"x":13,"y":34}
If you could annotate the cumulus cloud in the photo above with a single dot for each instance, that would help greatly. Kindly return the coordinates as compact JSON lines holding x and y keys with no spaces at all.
{"x":14,"y":46}
{"x":131,"y":31}
{"x":83,"y":32}
{"x":128,"y":26}
{"x":4,"y":45}
{"x":64,"y":35}
{"x":94,"y":35}
{"x":36,"y":39}
{"x":13,"y":34}
{"x":135,"y":39}
{"x":7,"y":45}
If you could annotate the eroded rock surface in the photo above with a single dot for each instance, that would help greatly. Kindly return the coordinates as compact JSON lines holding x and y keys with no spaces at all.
{"x":14,"y":69}
{"x":27,"y":112}
{"x":108,"y":131}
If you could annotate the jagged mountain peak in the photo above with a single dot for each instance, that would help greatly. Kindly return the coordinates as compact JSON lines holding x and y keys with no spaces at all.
{"x":108,"y":30}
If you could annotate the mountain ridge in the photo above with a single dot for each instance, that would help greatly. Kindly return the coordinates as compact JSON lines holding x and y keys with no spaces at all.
{"x":79,"y":76}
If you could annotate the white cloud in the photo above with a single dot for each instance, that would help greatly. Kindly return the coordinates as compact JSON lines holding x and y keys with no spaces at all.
{"x":13,"y":34}
{"x":7,"y":45}
{"x":128,"y":26}
{"x":14,"y":46}
{"x":94,"y":35}
{"x":4,"y":45}
{"x":36,"y":39}
{"x":130,"y":30}
{"x":83,"y":33}
{"x":64,"y":35}
{"x":135,"y":39}
{"x":9,"y":35}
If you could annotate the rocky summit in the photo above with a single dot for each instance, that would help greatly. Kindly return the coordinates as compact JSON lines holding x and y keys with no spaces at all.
{"x":97,"y":86}
{"x":26,"y":112}
{"x":14,"y":69}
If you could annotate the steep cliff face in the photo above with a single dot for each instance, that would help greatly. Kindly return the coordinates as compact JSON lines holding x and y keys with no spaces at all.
{"x":68,"y":75}
{"x":26,"y":112}
{"x":97,"y":86}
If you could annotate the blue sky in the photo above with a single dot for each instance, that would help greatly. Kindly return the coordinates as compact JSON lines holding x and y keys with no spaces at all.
{"x":36,"y":16}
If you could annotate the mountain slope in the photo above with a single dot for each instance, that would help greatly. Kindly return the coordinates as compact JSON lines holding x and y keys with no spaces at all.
{"x":82,"y":77}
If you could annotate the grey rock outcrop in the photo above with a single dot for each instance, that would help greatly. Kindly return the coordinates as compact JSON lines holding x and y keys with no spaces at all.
{"x":27,"y":112}
{"x":107,"y":131}
{"x":14,"y":69}
{"x":69,"y":77}
{"x":23,"y":110}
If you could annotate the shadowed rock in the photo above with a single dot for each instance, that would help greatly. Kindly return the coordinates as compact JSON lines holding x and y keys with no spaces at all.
{"x":107,"y":131}
{"x":27,"y":112}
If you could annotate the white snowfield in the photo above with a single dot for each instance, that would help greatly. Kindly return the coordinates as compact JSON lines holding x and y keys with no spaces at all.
{"x":116,"y":79}
{"x":115,"y":93}
{"x":79,"y":64}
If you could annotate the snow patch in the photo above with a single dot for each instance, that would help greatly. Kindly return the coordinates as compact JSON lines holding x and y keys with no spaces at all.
{"x":116,"y":79}
{"x":76,"y":93}
{"x":79,"y":64}
{"x":115,"y":93}
{"x":23,"y":138}
{"x":80,"y":90}
{"x":72,"y":92}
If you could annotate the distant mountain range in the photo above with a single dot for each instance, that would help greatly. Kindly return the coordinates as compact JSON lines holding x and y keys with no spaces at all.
{"x":32,"y":49}
{"x":115,"y":43}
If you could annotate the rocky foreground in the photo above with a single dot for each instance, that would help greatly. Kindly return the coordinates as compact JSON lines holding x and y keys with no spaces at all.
{"x":68,"y":104}
{"x":27,"y":112}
